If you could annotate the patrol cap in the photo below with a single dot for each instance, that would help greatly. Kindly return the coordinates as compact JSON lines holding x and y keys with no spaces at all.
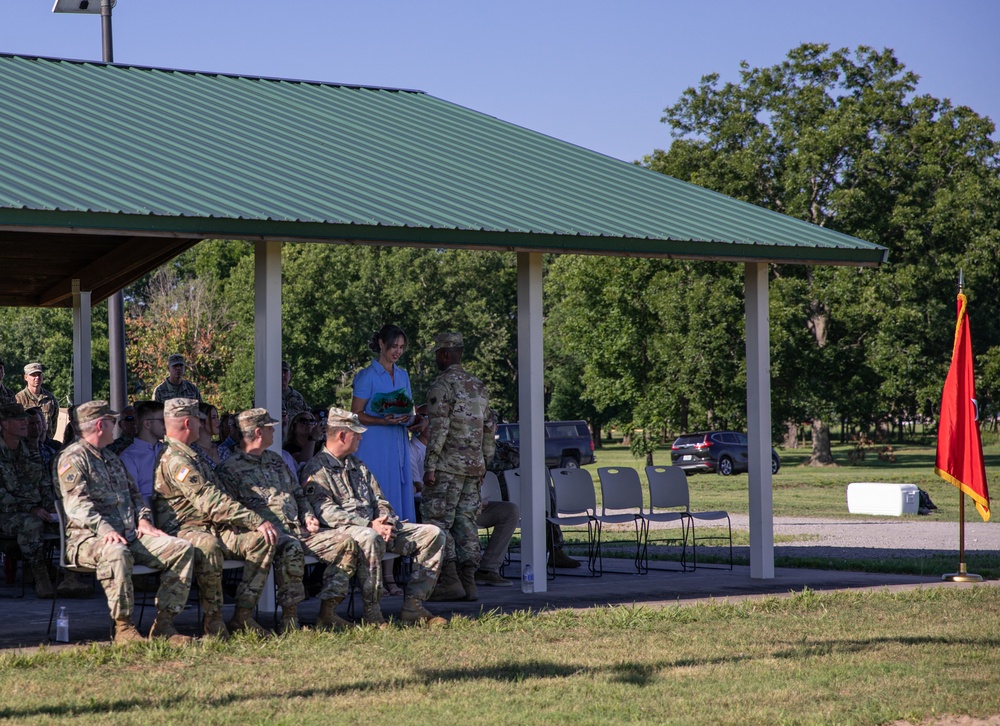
{"x":93,"y":410}
{"x":181,"y":407}
{"x":447,"y":340}
{"x":255,"y":418}
{"x":10,"y":411}
{"x":174,"y":359}
{"x":33,"y":368}
{"x":285,"y":366}
{"x":339,"y":418}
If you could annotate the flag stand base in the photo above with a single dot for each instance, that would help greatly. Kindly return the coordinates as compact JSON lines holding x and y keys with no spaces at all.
{"x":962,"y":575}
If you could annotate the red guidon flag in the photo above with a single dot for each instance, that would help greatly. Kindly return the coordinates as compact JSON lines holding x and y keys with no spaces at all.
{"x":960,"y":448}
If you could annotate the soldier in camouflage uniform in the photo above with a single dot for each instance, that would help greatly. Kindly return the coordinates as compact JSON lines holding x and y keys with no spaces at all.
{"x":191,"y":505}
{"x":346,"y":497}
{"x":292,"y":402}
{"x":109,"y":526}
{"x":175,"y":385}
{"x":461,"y":442}
{"x":260,"y":479}
{"x":6,"y":395}
{"x":127,"y":429}
{"x":26,"y":495}
{"x":34,"y":395}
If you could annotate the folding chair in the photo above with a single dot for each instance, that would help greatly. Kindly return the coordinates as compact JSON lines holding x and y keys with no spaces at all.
{"x":490,"y":491}
{"x":667,"y":492}
{"x":63,"y":564}
{"x":621,"y":490}
{"x":576,"y":505}
{"x":674,"y":480}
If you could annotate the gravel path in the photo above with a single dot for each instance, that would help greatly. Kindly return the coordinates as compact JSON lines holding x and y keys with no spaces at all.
{"x":887,"y":537}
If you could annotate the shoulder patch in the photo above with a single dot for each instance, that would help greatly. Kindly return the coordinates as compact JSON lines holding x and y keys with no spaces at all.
{"x":64,"y":468}
{"x":182,"y":474}
{"x":310,"y":490}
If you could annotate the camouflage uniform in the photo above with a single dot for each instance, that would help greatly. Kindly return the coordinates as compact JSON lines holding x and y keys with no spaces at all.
{"x":24,"y":486}
{"x":347,"y":498}
{"x":292,"y":402}
{"x":46,"y":401}
{"x":461,"y":442}
{"x":192,"y":506}
{"x":100,"y":498}
{"x":120,"y":444}
{"x":6,"y":395}
{"x":167,"y":390}
{"x":265,"y":485}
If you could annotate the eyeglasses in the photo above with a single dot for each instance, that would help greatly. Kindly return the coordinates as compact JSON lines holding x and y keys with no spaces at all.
{"x":128,"y":418}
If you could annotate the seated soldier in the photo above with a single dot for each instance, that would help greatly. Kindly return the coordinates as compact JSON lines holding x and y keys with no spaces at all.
{"x":346,"y":497}
{"x":127,"y":428}
{"x":190,"y":504}
{"x":258,"y":478}
{"x":109,"y":527}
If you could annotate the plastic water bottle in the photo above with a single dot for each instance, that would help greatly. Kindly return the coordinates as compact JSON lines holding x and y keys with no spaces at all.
{"x":62,"y":626}
{"x":527,"y":579}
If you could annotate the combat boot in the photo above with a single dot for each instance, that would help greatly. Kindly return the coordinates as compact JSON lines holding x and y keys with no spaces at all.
{"x":213,"y":626}
{"x":43,"y":585}
{"x":415,"y":613}
{"x":243,"y":620}
{"x":373,"y":616}
{"x":558,"y":558}
{"x":289,"y":618}
{"x":163,"y":627}
{"x":467,"y":576}
{"x":448,"y":587}
{"x":126,"y":633}
{"x":328,"y":618}
{"x":73,"y":586}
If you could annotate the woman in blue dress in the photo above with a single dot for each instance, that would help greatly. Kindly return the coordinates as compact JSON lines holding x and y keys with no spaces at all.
{"x":383,"y":402}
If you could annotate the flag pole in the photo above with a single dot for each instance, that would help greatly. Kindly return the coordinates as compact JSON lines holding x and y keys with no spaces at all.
{"x":962,"y":575}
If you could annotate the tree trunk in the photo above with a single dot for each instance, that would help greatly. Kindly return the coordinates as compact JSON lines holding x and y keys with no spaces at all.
{"x":597,"y":436}
{"x":649,"y":458}
{"x":791,"y":435}
{"x":821,"y":453}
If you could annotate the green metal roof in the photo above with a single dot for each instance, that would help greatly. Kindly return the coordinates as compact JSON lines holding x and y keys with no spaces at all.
{"x":159,"y":152}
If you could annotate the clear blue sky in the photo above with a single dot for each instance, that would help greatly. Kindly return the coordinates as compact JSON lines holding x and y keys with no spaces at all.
{"x":597,"y":74}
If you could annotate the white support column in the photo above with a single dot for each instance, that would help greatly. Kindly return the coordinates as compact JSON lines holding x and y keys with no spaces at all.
{"x":531,"y":398}
{"x":83,"y":388}
{"x":267,"y":354}
{"x":759,"y":421}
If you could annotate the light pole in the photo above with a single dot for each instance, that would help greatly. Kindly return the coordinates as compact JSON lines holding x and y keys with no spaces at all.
{"x":116,"y":303}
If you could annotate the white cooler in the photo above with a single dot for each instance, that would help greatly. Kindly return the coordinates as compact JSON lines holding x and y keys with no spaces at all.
{"x":890,"y":499}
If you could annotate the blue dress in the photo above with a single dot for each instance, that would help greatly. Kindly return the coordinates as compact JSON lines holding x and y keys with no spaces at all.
{"x":386,"y":449}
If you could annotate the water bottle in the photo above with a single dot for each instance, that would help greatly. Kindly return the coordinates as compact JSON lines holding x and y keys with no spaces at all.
{"x":527,"y":579}
{"x":62,"y":626}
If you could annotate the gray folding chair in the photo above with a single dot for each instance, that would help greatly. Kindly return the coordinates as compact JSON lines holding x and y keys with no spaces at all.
{"x":667,"y":493}
{"x":621,"y":503}
{"x":576,"y":505}
{"x":674,"y":488}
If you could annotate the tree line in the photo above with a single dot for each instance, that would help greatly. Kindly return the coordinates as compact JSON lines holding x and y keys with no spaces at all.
{"x":840,"y":138}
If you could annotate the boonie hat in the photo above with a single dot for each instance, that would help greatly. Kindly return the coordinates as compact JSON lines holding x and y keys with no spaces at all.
{"x":338,"y":417}
{"x":10,"y":411}
{"x":255,"y":418}
{"x":93,"y":410}
{"x":181,"y":407}
{"x":33,"y":368}
{"x":447,"y":340}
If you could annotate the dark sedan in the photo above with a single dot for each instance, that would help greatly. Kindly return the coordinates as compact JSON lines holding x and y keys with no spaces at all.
{"x":723,"y":451}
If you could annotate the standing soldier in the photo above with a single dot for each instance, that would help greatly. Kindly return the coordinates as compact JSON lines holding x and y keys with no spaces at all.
{"x":292,"y":402}
{"x":461,"y":442}
{"x":191,"y":505}
{"x":175,"y":385}
{"x":109,"y":526}
{"x":34,"y":395}
{"x":259,"y":478}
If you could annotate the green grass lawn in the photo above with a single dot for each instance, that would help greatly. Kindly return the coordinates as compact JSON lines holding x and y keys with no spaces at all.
{"x":865,"y":658}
